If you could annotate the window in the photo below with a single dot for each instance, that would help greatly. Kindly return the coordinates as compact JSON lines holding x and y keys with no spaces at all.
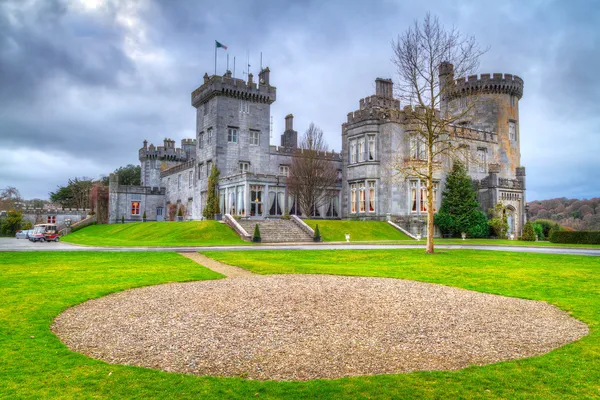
{"x":482,"y":159}
{"x":208,"y":167}
{"x":232,"y":135}
{"x":191,"y":178}
{"x":512,"y":131}
{"x":135,"y":208}
{"x":244,"y":167}
{"x":413,"y":196}
{"x":371,"y":147}
{"x":255,"y":138}
{"x":205,"y":110}
{"x":371,"y":196}
{"x":201,"y":140}
{"x":284,"y":170}
{"x":209,"y":134}
{"x":159,"y":211}
{"x":417,"y":148}
{"x":353,"y":198}
{"x":513,"y":101}
{"x":352,"y":151}
{"x":361,"y":150}
{"x":51,"y":219}
{"x":256,"y":200}
{"x":200,"y":171}
{"x":423,"y":196}
{"x":178,"y":181}
{"x":244,"y":107}
{"x":362,"y":202}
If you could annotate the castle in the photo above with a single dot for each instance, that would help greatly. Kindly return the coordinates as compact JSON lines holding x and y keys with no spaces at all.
{"x":233,"y":131}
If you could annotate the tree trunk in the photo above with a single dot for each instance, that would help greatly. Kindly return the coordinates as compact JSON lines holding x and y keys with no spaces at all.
{"x":430,"y":199}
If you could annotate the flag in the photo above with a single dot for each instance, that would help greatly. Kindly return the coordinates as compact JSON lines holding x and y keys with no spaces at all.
{"x":220,"y":45}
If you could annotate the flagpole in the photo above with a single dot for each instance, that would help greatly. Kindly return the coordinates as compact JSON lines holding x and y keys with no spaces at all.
{"x":215,"y":57}
{"x":233,"y":67}
{"x":227,"y":62}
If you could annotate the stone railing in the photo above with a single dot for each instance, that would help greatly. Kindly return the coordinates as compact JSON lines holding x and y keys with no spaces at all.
{"x":295,"y":219}
{"x":401,"y":229}
{"x":78,"y":225}
{"x":233,"y":224}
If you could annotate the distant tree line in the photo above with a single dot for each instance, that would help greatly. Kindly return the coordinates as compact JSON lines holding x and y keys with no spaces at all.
{"x":580,"y":215}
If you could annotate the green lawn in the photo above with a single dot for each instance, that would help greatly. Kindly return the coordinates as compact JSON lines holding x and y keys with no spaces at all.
{"x":570,"y":282}
{"x":491,"y":242}
{"x":35,"y":287}
{"x":360,"y":231}
{"x":190,"y":233}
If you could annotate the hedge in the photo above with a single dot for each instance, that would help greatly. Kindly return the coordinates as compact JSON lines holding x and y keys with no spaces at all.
{"x":576,"y":237}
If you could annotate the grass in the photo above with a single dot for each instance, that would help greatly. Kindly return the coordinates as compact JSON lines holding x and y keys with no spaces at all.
{"x":570,"y":282}
{"x":487,"y":242}
{"x":35,"y":287}
{"x":360,"y":231}
{"x":190,"y":233}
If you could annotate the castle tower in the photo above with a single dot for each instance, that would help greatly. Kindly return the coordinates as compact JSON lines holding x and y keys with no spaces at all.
{"x":495,"y":109}
{"x":155,"y":159}
{"x":232,"y":123}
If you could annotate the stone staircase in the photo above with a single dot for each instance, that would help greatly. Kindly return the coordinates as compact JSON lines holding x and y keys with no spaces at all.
{"x":276,"y":230}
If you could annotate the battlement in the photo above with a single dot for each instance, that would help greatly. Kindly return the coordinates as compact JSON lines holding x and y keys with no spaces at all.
{"x":375,"y":113}
{"x":473,"y":134}
{"x":487,"y":83}
{"x":378,"y":101}
{"x":166,"y":152}
{"x":331,"y":155}
{"x":177,"y":168}
{"x":144,"y":190}
{"x":261,"y":92}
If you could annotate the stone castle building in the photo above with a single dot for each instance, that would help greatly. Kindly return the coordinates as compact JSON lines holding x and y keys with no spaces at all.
{"x":233,"y":131}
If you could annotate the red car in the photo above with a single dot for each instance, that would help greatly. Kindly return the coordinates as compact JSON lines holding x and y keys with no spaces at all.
{"x":45,"y":233}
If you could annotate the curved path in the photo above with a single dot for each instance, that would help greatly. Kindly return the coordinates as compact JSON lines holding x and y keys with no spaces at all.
{"x":11,"y":244}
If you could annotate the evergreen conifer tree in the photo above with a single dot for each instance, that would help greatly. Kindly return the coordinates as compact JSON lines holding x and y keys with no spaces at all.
{"x":460,"y":209}
{"x":212,"y":199}
{"x":528,"y":232}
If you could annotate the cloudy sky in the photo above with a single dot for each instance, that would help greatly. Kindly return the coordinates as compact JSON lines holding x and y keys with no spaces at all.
{"x":84,"y":82}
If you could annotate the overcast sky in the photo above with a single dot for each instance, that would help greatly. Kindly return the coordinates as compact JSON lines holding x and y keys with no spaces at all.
{"x":84,"y":82}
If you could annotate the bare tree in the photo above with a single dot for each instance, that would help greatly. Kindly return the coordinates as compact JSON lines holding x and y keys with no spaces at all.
{"x":312,"y":175}
{"x":9,"y":198}
{"x":419,"y":55}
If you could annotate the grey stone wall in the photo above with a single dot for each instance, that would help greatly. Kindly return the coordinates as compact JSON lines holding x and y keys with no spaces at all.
{"x":41,"y":216}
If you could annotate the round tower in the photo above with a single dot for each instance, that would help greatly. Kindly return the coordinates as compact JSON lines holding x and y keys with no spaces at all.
{"x":494,"y":99}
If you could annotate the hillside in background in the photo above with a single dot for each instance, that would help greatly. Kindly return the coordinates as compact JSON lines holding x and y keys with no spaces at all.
{"x":581,"y":215}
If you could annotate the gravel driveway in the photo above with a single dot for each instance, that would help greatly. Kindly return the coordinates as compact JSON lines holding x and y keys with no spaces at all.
{"x":301,"y":327}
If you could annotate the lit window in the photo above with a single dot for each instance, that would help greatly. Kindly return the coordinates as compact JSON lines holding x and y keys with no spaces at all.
{"x":352,"y":152}
{"x":191,"y":178}
{"x":209,"y":136}
{"x":361,"y":150}
{"x":135,"y":208}
{"x":353,"y":198}
{"x":371,"y":196}
{"x":512,"y":131}
{"x":362,"y":202}
{"x":284,"y":170}
{"x":244,"y":167}
{"x":423,"y":197}
{"x":482,"y":159}
{"x":255,"y":138}
{"x":51,"y":219}
{"x":232,"y":135}
{"x":201,"y":140}
{"x":413,"y":196}
{"x":371,"y":147}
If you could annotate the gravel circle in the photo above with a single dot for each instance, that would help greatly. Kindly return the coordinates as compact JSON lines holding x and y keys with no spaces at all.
{"x":301,"y":327}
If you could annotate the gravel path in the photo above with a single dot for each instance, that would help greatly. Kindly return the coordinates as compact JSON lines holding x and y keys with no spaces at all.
{"x":225,"y":269}
{"x":300,"y":327}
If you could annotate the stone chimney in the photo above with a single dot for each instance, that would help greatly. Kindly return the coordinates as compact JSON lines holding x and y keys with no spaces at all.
{"x":289,"y":138}
{"x":263,"y":76}
{"x":384,"y":88}
{"x":250,"y":76}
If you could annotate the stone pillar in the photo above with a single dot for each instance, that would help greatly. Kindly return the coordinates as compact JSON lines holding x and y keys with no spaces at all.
{"x":494,"y":170}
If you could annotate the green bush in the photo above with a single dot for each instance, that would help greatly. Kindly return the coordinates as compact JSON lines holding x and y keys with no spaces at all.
{"x":478,"y":225}
{"x":547,"y":225}
{"x":499,"y":222}
{"x":256,"y":236}
{"x":539,"y":231}
{"x":317,"y":237}
{"x":576,"y":237}
{"x":528,"y":232}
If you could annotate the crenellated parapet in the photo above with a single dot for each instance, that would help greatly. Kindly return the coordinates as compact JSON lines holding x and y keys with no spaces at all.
{"x":486,"y":83}
{"x":167,"y":152}
{"x":177,"y":168}
{"x":259,"y":92}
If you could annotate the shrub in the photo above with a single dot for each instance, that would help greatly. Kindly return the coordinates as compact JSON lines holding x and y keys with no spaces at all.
{"x":123,"y":219}
{"x":499,"y":222}
{"x":539,"y":231}
{"x":180,"y":212}
{"x":528,"y":232}
{"x":576,"y":237}
{"x":478,"y":225}
{"x":547,"y":225}
{"x":256,"y":236}
{"x":212,"y":200}
{"x":144,"y":216}
{"x":317,"y":237}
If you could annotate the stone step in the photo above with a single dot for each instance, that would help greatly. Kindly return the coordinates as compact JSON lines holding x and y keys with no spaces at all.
{"x":276,"y":231}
